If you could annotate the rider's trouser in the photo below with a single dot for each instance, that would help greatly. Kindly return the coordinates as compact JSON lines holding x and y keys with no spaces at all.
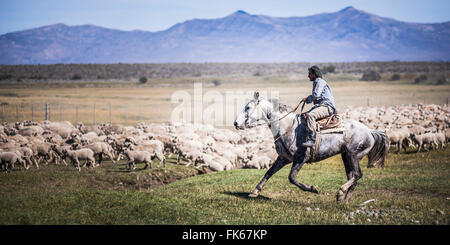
{"x":316,"y":113}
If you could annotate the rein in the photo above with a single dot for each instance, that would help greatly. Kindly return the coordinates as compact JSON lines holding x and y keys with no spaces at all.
{"x":279,"y":119}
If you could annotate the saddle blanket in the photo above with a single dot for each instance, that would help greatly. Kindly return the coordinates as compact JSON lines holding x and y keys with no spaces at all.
{"x":332,"y":130}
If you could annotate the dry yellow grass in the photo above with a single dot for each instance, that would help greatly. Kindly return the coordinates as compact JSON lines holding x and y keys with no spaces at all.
{"x":151,"y":102}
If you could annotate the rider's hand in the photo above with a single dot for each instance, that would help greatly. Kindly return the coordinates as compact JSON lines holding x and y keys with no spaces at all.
{"x":304,"y":99}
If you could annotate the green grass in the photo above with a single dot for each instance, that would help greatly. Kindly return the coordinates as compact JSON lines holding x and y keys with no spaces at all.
{"x":411,"y":189}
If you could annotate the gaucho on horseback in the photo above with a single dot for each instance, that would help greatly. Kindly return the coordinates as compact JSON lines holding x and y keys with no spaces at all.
{"x":352,"y":139}
{"x":323,"y":100}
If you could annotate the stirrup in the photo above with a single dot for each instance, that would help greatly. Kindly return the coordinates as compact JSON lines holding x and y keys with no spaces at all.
{"x":308,"y":143}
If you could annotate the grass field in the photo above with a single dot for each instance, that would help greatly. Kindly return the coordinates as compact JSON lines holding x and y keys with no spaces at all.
{"x":412,"y":189}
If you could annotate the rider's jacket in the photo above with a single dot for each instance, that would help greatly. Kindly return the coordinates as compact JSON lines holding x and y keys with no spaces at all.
{"x":321,"y":94}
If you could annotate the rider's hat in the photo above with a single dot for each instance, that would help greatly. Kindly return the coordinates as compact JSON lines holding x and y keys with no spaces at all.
{"x":316,"y":70}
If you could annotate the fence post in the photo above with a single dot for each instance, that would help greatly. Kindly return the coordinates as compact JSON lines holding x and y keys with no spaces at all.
{"x":17,"y":113}
{"x":76,"y":114}
{"x":3,"y":112}
{"x":110,"y":116}
{"x":46,"y":112}
{"x":368,"y":102}
{"x":140,"y":113}
{"x":60,"y":112}
{"x":94,"y":114}
{"x":32,"y":112}
{"x":126,"y":115}
{"x":157,"y":112}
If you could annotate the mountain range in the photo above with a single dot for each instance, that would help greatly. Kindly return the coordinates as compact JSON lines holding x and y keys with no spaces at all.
{"x":344,"y":36}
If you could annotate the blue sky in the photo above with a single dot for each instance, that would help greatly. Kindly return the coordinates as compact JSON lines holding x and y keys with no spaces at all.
{"x":156,"y":15}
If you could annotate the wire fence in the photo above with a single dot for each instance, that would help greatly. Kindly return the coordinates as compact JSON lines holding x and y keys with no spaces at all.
{"x":131,"y":114}
{"x":89,"y":114}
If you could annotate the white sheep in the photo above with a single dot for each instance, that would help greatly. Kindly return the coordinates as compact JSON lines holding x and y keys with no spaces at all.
{"x":422,"y":139}
{"x":137,"y":157}
{"x":8,"y":159}
{"x":259,"y":162}
{"x":82,"y":154}
{"x":440,"y":139}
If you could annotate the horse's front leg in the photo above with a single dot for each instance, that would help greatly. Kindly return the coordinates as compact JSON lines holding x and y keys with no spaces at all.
{"x":299,"y":160}
{"x":277,"y":165}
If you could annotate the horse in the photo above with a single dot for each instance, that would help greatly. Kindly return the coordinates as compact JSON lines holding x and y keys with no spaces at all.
{"x":289,"y":131}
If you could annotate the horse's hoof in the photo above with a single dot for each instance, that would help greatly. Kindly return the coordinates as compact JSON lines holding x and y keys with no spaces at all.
{"x":340,"y":196}
{"x":314,"y":189}
{"x":254,"y":194}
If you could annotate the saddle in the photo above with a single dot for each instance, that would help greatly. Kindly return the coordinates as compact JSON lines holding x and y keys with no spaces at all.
{"x":330,"y":122}
{"x":325,"y":125}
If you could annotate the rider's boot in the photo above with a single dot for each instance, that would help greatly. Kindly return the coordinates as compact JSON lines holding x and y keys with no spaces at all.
{"x":311,"y":140}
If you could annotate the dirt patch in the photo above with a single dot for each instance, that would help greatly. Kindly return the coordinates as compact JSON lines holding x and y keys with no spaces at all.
{"x":150,"y":179}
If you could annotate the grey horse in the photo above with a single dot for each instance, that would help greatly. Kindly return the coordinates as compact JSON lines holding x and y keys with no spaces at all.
{"x":289,"y":132}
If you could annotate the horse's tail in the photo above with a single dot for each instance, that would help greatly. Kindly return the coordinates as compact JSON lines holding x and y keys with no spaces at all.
{"x":377,"y":155}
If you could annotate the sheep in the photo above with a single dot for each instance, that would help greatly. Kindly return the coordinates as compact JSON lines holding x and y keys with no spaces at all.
{"x":83,"y":154}
{"x":28,"y":155}
{"x":447,"y":135}
{"x":8,"y":159}
{"x":422,"y":139}
{"x":64,"y":129}
{"x":399,"y":138}
{"x":154,"y":151}
{"x":185,"y":148}
{"x":416,"y":129}
{"x":109,"y":129}
{"x":229,"y":155}
{"x":100,"y":149}
{"x":138,"y":156}
{"x":169,"y":143}
{"x":89,"y":128}
{"x":89,"y":136}
{"x":192,"y":157}
{"x":44,"y":151}
{"x":58,"y":149}
{"x":30,"y":131}
{"x":216,"y":163}
{"x":440,"y":138}
{"x":259,"y":162}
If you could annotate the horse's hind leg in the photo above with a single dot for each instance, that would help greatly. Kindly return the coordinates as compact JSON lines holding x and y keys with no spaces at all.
{"x":299,"y":160}
{"x":354,"y":173}
{"x":277,"y":165}
{"x":349,"y":193}
{"x":348,"y":172}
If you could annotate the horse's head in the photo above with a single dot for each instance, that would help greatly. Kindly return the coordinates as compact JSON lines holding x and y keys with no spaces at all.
{"x":255,"y":111}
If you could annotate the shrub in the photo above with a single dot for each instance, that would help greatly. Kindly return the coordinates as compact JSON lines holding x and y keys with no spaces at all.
{"x":216,"y":82}
{"x":328,"y":69}
{"x":76,"y":77}
{"x":441,"y":80}
{"x":143,"y":79}
{"x":421,"y":79}
{"x":395,"y":77}
{"x":5,"y":76}
{"x":371,"y":76}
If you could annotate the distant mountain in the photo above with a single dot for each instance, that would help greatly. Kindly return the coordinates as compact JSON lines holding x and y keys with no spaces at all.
{"x":346,"y":35}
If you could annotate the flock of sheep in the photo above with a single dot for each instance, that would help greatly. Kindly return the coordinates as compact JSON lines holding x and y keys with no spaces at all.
{"x":31,"y":143}
{"x":202,"y":146}
{"x":417,"y":126}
